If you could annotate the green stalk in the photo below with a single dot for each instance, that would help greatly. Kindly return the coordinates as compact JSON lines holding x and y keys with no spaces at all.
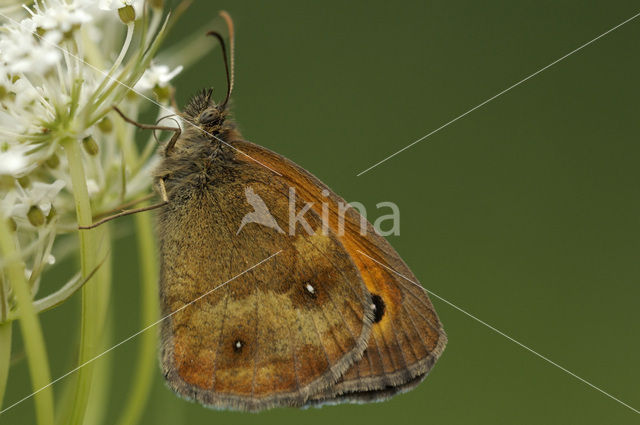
{"x":99,"y":392}
{"x":30,"y":328}
{"x":5,"y":356}
{"x":5,"y":340}
{"x":90,"y":320}
{"x":64,"y":400}
{"x":97,"y":408}
{"x":145,"y":365}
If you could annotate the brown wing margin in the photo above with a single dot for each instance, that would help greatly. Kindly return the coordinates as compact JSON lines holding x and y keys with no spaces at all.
{"x":409,"y":338}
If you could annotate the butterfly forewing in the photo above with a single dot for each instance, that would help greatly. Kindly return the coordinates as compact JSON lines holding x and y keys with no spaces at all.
{"x":274,"y":335}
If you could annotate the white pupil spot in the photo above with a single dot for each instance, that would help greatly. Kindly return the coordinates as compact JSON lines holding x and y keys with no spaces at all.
{"x":373,"y":306}
{"x":310,"y":288}
{"x":238,"y":344}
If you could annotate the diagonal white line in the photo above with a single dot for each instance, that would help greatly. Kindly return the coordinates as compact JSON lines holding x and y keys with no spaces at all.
{"x":136,"y":334}
{"x":498,"y":95}
{"x":531,"y":350}
{"x":164,"y":108}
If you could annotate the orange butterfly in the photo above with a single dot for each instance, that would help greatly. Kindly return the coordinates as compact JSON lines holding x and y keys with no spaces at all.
{"x":323,"y":321}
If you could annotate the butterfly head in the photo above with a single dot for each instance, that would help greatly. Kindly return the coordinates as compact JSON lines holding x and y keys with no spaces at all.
{"x":210,"y":119}
{"x":203,"y":111}
{"x":213,"y":116}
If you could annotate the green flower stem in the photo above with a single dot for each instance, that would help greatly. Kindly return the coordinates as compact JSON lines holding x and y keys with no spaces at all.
{"x":5,"y":356}
{"x":101,"y":379}
{"x":5,"y":339}
{"x":145,"y":366}
{"x":126,"y":140}
{"x":103,"y":373}
{"x":64,"y":401}
{"x":90,"y":320}
{"x":31,"y":330}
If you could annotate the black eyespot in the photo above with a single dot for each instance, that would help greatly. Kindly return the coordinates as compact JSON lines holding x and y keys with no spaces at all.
{"x":310,"y":290}
{"x":237,"y":345}
{"x":377,"y":305}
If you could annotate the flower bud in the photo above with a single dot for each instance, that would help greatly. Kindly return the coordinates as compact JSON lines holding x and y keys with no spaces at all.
{"x":52,"y":214}
{"x":24,"y":181}
{"x":131,"y":95}
{"x":162,"y":93}
{"x":105,"y":125}
{"x":90,"y":146}
{"x":127,"y":14}
{"x":53,"y":161}
{"x":35,"y":216}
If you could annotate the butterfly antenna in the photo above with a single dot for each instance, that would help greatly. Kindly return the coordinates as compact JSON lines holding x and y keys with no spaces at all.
{"x":228,"y":70}
{"x":232,"y":46}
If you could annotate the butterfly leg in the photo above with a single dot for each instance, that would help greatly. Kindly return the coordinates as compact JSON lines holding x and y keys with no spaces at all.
{"x":165,"y":201}
{"x":123,"y":206}
{"x":176,"y":130}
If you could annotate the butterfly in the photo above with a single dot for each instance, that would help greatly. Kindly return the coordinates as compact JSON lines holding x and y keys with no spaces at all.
{"x":332,"y":315}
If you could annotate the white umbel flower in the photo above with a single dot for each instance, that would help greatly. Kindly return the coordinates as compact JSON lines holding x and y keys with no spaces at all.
{"x":66,"y":160}
{"x":157,"y":76}
{"x":59,"y":16}
{"x":39,"y":194}
{"x":51,"y":98}
{"x":118,"y":4}
{"x":22,"y":52}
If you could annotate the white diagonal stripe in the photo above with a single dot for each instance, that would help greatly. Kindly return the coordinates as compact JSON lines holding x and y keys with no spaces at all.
{"x":499,"y":94}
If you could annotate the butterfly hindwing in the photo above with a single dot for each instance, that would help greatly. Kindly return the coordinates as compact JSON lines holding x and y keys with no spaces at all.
{"x":407,"y":336}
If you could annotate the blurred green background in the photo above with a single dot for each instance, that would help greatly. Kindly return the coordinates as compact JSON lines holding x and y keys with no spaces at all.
{"x":524,"y":213}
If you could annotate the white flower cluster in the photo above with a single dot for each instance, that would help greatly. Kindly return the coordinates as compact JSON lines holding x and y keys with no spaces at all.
{"x":63,"y":64}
